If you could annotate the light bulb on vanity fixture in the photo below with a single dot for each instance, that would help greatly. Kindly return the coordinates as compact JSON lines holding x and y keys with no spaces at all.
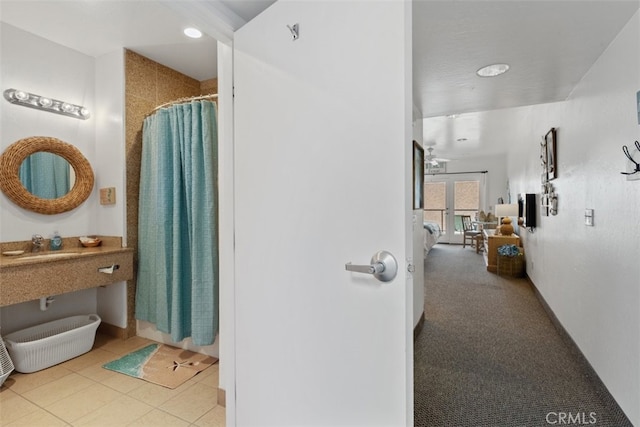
{"x":20,"y":95}
{"x":44,"y":103}
{"x":67,"y":108}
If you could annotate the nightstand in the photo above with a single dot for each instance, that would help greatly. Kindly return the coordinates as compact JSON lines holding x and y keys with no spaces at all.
{"x":491,"y":244}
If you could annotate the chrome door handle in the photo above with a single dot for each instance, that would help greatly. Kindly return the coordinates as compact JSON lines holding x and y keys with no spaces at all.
{"x":384,"y":266}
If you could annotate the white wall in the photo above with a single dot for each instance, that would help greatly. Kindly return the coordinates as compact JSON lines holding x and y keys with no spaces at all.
{"x":110,"y":159}
{"x":36,"y":65}
{"x":110,"y":137}
{"x":418,"y":237}
{"x":589,"y":276}
{"x":39,"y":66}
{"x":226,"y":225}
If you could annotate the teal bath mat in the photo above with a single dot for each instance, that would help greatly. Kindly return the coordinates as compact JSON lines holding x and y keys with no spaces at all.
{"x":162,"y":364}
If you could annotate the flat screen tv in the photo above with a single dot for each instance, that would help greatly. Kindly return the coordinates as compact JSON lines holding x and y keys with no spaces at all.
{"x":527,"y":209}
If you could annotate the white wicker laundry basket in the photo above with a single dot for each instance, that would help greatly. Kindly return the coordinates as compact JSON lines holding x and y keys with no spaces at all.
{"x":6,"y":366}
{"x":42,"y":346}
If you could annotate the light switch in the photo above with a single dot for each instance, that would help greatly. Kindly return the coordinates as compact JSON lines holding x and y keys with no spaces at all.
{"x":588,"y":217}
{"x":108,"y":196}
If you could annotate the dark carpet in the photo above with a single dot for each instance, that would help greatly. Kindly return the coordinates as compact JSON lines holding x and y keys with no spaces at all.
{"x":489,"y":355}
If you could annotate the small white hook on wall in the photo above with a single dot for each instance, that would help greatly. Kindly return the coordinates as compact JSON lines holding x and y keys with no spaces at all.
{"x":294,"y":31}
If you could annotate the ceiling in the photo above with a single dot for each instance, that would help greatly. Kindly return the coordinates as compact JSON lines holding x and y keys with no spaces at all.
{"x":550,"y":45}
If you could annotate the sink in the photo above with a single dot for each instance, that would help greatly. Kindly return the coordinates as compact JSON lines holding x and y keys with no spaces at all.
{"x":47,"y":255}
{"x":27,"y":276}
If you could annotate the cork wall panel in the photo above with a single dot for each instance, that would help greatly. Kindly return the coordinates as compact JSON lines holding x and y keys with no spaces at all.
{"x":209,"y":86}
{"x":140,"y":76}
{"x":137,"y":109}
{"x":173,"y":85}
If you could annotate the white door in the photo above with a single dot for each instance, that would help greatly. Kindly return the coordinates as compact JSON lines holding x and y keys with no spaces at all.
{"x":449,"y":197}
{"x":322,"y":178}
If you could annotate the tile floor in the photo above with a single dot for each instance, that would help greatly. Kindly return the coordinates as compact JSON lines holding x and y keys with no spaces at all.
{"x":79,"y":392}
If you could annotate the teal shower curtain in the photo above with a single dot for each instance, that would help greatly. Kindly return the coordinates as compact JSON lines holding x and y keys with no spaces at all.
{"x":177,"y":287}
{"x":45,"y":175}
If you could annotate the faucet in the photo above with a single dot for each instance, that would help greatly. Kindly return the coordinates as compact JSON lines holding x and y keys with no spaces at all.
{"x":37,"y":242}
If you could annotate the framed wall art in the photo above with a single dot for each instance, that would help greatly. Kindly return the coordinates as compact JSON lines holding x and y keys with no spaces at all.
{"x":543,"y":161}
{"x":551,"y":160}
{"x":418,"y":176}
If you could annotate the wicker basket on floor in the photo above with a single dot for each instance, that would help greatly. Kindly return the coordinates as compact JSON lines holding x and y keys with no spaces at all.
{"x":512,"y":266}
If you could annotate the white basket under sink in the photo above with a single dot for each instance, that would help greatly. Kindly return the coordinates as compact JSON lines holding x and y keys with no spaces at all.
{"x":42,"y":346}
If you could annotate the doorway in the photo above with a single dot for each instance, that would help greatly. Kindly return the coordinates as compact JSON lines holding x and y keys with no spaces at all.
{"x":448,"y":198}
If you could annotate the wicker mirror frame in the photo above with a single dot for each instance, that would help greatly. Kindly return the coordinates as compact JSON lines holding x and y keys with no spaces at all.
{"x":12,"y":187}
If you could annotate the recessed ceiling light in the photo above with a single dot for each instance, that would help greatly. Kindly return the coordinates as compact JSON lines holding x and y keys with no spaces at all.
{"x":493,"y":70}
{"x":194,"y":33}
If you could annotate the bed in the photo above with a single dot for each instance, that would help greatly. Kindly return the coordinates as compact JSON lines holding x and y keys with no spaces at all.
{"x":431,"y":235}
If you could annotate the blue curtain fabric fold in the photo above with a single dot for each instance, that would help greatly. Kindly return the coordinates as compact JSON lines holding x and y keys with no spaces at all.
{"x":45,"y":175}
{"x":177,"y":282}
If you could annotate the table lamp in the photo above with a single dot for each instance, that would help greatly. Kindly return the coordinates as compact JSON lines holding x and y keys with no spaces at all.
{"x":505,"y":211}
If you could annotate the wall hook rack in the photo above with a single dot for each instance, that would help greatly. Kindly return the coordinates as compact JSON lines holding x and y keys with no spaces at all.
{"x":295,"y":31}
{"x":625,"y":150}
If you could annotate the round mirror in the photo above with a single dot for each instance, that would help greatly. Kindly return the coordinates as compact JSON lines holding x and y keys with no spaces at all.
{"x":46,"y":175}
{"x":16,"y":154}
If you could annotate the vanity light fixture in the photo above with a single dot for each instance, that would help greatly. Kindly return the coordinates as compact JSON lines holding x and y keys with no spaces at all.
{"x":39,"y":102}
{"x":493,"y":70}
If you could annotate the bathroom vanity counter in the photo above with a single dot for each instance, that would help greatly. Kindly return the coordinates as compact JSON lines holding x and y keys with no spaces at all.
{"x":36,"y":275}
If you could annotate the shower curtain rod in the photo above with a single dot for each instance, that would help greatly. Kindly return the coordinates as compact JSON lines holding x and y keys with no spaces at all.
{"x":183,"y":100}
{"x":455,"y":173}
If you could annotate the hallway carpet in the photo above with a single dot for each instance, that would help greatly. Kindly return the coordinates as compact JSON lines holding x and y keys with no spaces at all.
{"x":488,"y":354}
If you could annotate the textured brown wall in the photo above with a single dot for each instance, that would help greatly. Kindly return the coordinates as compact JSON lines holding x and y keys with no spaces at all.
{"x":147,"y":85}
{"x":209,"y":86}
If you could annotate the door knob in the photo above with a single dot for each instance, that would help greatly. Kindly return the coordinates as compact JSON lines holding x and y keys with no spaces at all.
{"x":384,"y":266}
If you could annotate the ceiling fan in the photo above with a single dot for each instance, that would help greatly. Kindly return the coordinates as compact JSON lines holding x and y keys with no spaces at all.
{"x":432,"y":159}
